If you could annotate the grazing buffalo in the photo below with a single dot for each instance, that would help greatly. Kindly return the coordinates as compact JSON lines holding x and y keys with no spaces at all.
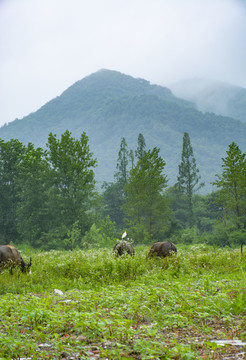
{"x":10,"y":257}
{"x":123,"y":247}
{"x":162,"y":249}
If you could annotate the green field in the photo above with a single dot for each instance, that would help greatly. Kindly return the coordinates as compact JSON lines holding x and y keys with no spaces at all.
{"x":125,"y":308}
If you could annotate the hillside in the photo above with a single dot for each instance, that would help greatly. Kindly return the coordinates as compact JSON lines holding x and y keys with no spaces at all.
{"x":109,"y":105}
{"x":213,"y":96}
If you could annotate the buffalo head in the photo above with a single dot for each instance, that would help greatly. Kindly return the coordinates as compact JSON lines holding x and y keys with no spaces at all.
{"x":10,"y":257}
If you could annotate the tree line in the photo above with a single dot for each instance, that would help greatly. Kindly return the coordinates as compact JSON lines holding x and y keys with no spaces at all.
{"x":49,"y":198}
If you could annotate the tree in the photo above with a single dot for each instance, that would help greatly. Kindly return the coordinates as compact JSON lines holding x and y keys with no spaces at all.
{"x":140,"y":151}
{"x":11,"y":154}
{"x":206,"y":211}
{"x":232,"y":187}
{"x":113,"y":200}
{"x":188,"y":178}
{"x":145,"y":207}
{"x":131,"y":157}
{"x":34,"y":217}
{"x":122,"y":163}
{"x":73,"y":178}
{"x":114,"y":193}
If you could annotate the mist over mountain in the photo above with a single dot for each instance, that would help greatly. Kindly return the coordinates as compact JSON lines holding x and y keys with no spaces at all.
{"x":213,"y":96}
{"x":109,"y":105}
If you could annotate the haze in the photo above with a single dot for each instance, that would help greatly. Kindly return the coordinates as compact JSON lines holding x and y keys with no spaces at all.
{"x":47,"y":45}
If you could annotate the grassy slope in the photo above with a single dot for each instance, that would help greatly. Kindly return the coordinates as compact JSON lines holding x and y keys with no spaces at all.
{"x":125,"y":308}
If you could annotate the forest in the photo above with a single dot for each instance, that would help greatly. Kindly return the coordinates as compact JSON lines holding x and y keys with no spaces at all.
{"x":49,"y":198}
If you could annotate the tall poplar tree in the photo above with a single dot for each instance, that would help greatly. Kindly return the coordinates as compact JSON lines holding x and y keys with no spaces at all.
{"x":140,"y":151}
{"x":122,"y":163}
{"x":114,"y":194}
{"x":232,"y":187}
{"x":188,"y":178}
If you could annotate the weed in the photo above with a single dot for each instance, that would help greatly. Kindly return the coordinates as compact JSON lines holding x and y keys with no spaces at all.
{"x":128,"y":307}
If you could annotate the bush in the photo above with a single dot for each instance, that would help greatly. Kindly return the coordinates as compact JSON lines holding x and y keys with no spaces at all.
{"x":92,"y":239}
{"x":224,"y":235}
{"x":189,"y":236}
{"x":236,"y":238}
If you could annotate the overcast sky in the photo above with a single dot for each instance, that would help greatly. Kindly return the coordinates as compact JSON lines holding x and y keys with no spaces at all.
{"x":47,"y":45}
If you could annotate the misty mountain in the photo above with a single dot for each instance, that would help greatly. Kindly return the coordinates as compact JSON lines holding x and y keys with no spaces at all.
{"x":213,"y":96}
{"x":109,"y":105}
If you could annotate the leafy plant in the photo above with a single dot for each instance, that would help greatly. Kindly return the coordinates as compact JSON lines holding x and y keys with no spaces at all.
{"x":127,"y":307}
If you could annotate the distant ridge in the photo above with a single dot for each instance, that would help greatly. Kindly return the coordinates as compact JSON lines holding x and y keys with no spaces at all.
{"x":109,"y":105}
{"x":213,"y":96}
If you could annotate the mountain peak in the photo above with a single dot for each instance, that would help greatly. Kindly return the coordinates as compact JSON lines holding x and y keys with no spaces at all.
{"x":108,"y":105}
{"x":114,"y":84}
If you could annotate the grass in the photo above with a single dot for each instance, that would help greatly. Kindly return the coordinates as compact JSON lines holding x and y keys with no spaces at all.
{"x":124,"y":308}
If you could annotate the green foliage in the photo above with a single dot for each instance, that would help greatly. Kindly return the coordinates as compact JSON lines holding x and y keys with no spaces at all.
{"x":232,"y":185}
{"x":145,"y":206}
{"x":73,"y":237}
{"x":11,"y":153}
{"x":232,"y":192}
{"x":236,"y":238}
{"x":188,"y":178}
{"x":224,"y":234}
{"x":101,"y":235}
{"x":52,"y":206}
{"x":73,"y":177}
{"x":32,"y":209}
{"x":140,"y":151}
{"x":108,"y":230}
{"x":122,"y":163}
{"x":114,"y":193}
{"x":92,"y":239}
{"x":54,"y":238}
{"x":73,"y":184}
{"x":189,"y":236}
{"x":124,"y":307}
{"x":113,"y":201}
{"x":206,"y":211}
{"x":178,"y":205}
{"x":44,"y":193}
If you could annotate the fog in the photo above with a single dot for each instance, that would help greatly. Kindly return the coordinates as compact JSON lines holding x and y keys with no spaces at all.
{"x":47,"y":45}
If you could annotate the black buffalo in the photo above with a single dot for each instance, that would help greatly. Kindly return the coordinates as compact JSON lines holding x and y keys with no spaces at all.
{"x":123,"y":247}
{"x":11,"y":258}
{"x":162,"y":249}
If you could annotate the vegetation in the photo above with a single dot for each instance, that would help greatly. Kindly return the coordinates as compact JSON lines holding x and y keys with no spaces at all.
{"x":91,"y":304}
{"x":114,"y":192}
{"x":146,"y":210}
{"x":48,"y":198}
{"x":81,"y":301}
{"x":188,"y":178}
{"x":232,"y":189}
{"x":43,"y":194}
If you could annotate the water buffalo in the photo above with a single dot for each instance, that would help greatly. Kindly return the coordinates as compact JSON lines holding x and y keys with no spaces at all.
{"x":123,"y":247}
{"x":162,"y":249}
{"x":10,"y":257}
